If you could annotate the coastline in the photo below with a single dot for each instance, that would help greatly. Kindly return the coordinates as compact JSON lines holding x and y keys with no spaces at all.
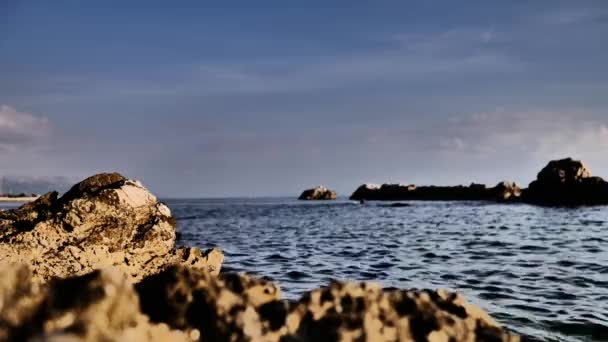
{"x":151,"y":289}
{"x":17,"y":199}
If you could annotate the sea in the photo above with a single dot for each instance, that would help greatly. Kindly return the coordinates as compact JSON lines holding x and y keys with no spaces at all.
{"x":541,"y":272}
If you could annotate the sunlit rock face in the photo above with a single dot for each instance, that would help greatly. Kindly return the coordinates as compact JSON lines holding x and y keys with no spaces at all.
{"x":239,"y":308}
{"x":567,"y":182}
{"x":506,"y":191}
{"x":98,"y":306}
{"x":105,"y":220}
{"x":318,"y":193}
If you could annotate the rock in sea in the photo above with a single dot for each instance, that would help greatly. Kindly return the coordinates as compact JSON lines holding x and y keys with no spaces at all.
{"x":99,"y":264}
{"x":504,"y":191}
{"x":105,"y":220}
{"x":318,"y":193}
{"x":566,"y":182}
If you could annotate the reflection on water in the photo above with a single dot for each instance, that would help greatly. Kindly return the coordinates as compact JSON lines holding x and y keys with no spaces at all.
{"x":542,"y":272}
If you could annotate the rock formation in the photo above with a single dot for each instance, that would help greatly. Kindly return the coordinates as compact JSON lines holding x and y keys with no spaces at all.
{"x":504,"y":191}
{"x":318,"y":193}
{"x":566,"y":182}
{"x":105,"y":220}
{"x":98,"y":306}
{"x":182,"y":304}
{"x":99,"y":264}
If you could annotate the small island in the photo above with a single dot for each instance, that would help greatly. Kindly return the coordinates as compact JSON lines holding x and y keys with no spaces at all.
{"x":564,"y":182}
{"x":319,"y":193}
{"x":20,"y":197}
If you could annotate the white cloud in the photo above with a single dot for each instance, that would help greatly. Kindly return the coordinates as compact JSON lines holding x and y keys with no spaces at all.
{"x":18,"y":129}
{"x":532,"y":135}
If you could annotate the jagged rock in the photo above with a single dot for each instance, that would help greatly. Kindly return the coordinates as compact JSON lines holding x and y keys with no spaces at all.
{"x":221,"y":309}
{"x":237,"y":307}
{"x":105,"y":220}
{"x":98,"y":306}
{"x":566,"y":182}
{"x":181,"y":304}
{"x":318,"y":193}
{"x":20,"y":298}
{"x":504,"y":191}
{"x":364,"y":311}
{"x":563,"y":171}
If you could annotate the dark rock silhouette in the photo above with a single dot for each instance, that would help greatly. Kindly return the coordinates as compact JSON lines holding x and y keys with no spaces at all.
{"x":566,"y":182}
{"x":504,"y":191}
{"x":318,"y":193}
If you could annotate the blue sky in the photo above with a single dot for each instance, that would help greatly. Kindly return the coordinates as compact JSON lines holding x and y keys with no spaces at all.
{"x":270,"y":97}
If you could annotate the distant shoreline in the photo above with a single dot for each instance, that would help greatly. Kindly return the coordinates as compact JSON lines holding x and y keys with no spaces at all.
{"x":17,"y":199}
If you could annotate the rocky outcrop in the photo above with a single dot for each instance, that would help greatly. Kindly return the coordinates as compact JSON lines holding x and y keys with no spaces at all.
{"x":566,"y":182}
{"x":237,"y":307}
{"x":181,"y":304}
{"x":98,"y":306}
{"x":105,"y":220}
{"x":504,"y":191}
{"x":318,"y":193}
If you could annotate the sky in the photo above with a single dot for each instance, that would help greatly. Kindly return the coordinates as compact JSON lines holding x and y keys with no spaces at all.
{"x":267,"y":98}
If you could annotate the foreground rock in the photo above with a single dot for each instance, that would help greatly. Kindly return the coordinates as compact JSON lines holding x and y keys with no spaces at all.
{"x":99,"y":306}
{"x":567,"y":182}
{"x":318,"y":193}
{"x":105,"y":220}
{"x":181,"y":304}
{"x":504,"y":191}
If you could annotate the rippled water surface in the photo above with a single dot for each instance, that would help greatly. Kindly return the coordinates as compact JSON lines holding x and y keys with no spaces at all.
{"x":542,"y":272}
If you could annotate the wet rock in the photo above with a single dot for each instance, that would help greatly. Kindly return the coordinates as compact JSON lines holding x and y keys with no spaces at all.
{"x":318,"y":193}
{"x":105,"y":220}
{"x":566,"y":182}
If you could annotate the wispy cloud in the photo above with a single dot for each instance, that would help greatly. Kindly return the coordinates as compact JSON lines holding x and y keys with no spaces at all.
{"x":18,"y":129}
{"x":534,"y":134}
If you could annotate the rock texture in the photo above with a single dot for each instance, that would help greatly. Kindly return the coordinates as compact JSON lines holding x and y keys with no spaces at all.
{"x":105,"y":220}
{"x":69,"y":264}
{"x":181,"y":304}
{"x":566,"y":182}
{"x":98,"y":306}
{"x":504,"y":191}
{"x":318,"y":193}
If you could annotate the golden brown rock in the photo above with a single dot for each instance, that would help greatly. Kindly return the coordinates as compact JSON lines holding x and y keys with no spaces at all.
{"x":318,"y":193}
{"x":105,"y":220}
{"x":99,"y":306}
{"x":180,"y":304}
{"x":237,"y":307}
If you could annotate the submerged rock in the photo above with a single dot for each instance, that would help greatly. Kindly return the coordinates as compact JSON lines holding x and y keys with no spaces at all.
{"x":318,"y":193}
{"x":105,"y":220}
{"x":566,"y":182}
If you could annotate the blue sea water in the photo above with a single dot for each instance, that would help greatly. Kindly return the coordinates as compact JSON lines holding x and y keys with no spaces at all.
{"x":542,"y":272}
